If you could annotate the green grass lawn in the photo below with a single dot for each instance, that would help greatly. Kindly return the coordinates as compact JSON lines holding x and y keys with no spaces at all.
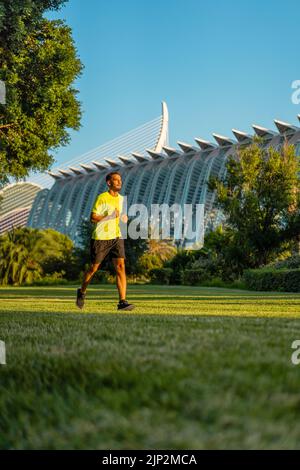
{"x":190,"y":368}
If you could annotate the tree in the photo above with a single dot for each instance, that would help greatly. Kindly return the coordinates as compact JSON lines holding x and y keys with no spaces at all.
{"x":163,"y":249}
{"x":134,"y":250}
{"x":259,"y":195}
{"x":18,"y":257}
{"x":27,"y":254}
{"x":58,"y":255}
{"x":20,"y":17}
{"x":38,"y":63}
{"x":82,"y":251}
{"x":157,"y":253}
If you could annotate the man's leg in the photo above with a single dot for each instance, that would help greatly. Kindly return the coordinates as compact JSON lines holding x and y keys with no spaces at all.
{"x":88,"y":276}
{"x":119,"y":265}
{"x":86,"y":280}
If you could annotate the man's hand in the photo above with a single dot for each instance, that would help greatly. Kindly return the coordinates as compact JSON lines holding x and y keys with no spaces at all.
{"x":124,"y":218}
{"x":114,"y":215}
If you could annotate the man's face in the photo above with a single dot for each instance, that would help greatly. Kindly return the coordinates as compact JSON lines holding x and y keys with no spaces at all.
{"x":115,"y":183}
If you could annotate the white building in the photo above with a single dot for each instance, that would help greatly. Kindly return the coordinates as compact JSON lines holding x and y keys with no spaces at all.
{"x":15,"y":205}
{"x":152,"y":173}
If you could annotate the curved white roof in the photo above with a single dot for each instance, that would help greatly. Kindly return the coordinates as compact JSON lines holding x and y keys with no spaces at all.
{"x":153,"y":135}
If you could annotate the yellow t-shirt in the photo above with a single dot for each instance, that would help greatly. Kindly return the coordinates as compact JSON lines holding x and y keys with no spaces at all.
{"x":106,"y":204}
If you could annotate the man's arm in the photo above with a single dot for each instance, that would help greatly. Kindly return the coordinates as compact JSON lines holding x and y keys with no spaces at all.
{"x":95,"y":218}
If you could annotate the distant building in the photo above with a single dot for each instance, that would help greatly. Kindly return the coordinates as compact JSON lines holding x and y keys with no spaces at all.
{"x":15,"y":205}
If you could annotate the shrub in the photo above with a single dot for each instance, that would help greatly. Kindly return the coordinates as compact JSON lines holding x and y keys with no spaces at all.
{"x":267,"y":279}
{"x":293,"y":262}
{"x":54,"y":279}
{"x":177,"y":276}
{"x":147,"y":262}
{"x":218,"y":282}
{"x":195,"y":277}
{"x":182,"y":259}
{"x":161,"y":275}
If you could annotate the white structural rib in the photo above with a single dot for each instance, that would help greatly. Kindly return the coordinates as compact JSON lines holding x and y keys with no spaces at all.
{"x":76,"y":171}
{"x":65,"y":173}
{"x":125,"y":160}
{"x":155,"y":155}
{"x":100,"y":166}
{"x":139,"y":157}
{"x":170,"y":151}
{"x":205,"y":144}
{"x":241,"y":136}
{"x":223,"y":141}
{"x":112,"y":163}
{"x":263,"y":132}
{"x":284,"y":126}
{"x":186,"y":147}
{"x":55,"y":175}
{"x":164,"y":131}
{"x":87,"y":168}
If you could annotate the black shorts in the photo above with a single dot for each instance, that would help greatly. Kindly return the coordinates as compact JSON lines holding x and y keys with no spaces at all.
{"x":101,"y":248}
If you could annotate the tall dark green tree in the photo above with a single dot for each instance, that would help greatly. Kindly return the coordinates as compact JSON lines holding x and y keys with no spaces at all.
{"x":260,"y":198}
{"x":38,"y":64}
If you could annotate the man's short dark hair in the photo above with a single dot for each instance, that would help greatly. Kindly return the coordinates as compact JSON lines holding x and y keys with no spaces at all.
{"x":109,"y":176}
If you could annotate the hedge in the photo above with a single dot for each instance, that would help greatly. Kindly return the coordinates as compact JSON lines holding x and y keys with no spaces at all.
{"x":161,"y":275}
{"x":194,"y":277}
{"x":283,"y":280}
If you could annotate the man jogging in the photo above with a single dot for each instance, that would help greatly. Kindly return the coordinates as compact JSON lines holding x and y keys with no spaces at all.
{"x":106,"y":239}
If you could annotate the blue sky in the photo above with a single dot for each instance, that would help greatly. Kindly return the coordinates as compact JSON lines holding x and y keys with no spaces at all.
{"x":218,"y":64}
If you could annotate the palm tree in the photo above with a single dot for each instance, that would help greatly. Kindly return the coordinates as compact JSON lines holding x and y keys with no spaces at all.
{"x":19,"y":252}
{"x":163,"y":249}
{"x":24,"y":252}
